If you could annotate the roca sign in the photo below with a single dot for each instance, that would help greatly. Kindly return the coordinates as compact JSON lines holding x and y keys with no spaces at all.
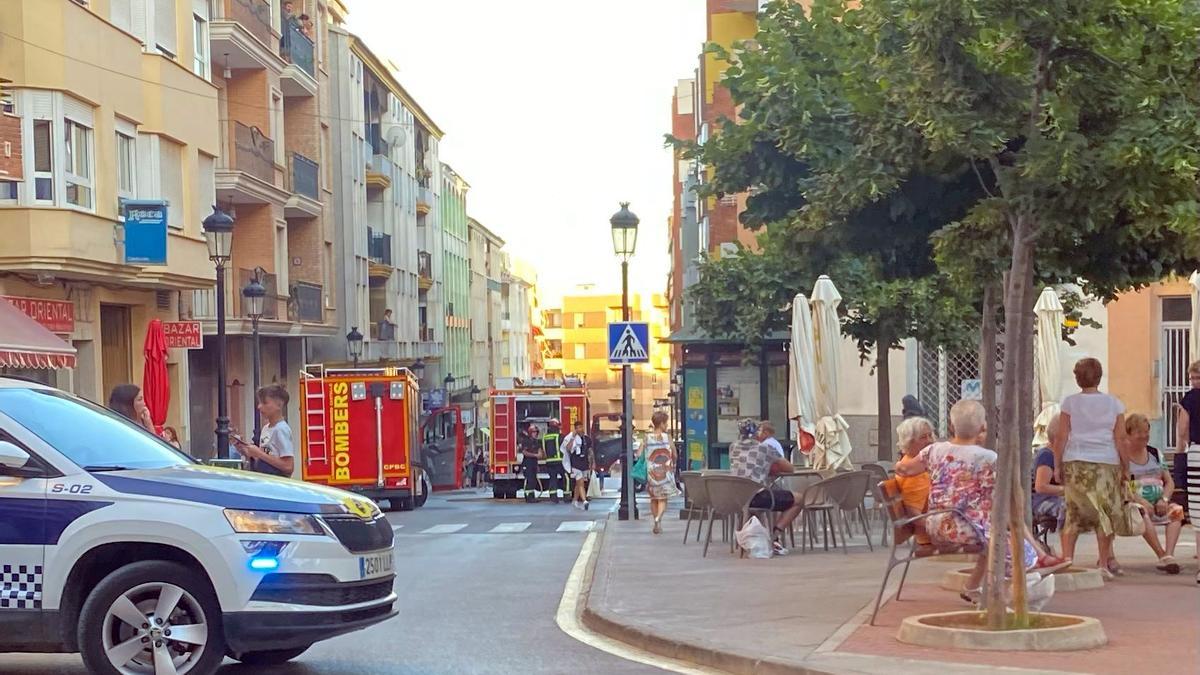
{"x":182,"y":334}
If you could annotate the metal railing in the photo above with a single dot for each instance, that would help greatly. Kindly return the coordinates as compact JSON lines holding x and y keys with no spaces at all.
{"x":303,"y":175}
{"x":297,"y":48}
{"x":253,"y":152}
{"x":254,"y":16}
{"x":424,"y":265}
{"x":307,"y":298}
{"x":379,"y":247}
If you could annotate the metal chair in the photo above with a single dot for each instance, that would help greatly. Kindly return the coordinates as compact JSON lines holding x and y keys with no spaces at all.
{"x":879,"y":473}
{"x":696,"y":497}
{"x":832,"y":498}
{"x":729,"y":498}
{"x":904,"y":530}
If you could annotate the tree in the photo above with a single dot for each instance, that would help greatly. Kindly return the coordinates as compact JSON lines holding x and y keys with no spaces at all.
{"x":1078,"y":119}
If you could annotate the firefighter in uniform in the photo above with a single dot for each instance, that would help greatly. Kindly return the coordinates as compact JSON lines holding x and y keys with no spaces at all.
{"x":554,"y":460}
{"x":531,"y":452}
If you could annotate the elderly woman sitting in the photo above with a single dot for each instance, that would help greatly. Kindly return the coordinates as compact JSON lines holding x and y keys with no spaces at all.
{"x":915,"y":434}
{"x":962,"y":476}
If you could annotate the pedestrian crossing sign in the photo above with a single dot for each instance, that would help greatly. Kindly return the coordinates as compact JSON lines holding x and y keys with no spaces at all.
{"x":628,"y":343}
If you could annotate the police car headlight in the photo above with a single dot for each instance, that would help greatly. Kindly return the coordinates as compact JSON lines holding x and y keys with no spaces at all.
{"x":272,"y":522}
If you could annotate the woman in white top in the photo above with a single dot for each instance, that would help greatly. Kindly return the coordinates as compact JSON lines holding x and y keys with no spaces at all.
{"x":1087,"y":463}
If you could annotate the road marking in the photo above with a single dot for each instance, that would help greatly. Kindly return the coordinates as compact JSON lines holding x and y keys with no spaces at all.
{"x":571,"y":605}
{"x":509,"y":528}
{"x":396,"y":527}
{"x":576,"y":526}
{"x":448,"y":528}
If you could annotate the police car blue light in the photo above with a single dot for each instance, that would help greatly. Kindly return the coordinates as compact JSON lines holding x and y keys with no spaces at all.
{"x":115,"y":512}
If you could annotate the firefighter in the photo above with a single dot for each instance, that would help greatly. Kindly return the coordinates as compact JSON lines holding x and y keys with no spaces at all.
{"x":554,"y":460}
{"x":531,"y":452}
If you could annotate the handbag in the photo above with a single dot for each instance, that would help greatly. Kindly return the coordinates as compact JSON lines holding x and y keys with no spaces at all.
{"x":638,"y":472}
{"x":1130,"y":524}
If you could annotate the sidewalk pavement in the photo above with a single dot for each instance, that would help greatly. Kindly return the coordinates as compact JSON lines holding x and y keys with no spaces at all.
{"x":808,"y":613}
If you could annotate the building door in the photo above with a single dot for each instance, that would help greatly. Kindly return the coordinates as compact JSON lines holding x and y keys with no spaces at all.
{"x":1173,"y":380}
{"x":116,"y":350}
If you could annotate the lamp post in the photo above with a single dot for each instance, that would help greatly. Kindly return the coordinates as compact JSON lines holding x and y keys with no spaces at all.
{"x":624,"y":226}
{"x":354,"y":341}
{"x":418,"y":369}
{"x":253,"y":294}
{"x":475,"y":392}
{"x":218,"y":233}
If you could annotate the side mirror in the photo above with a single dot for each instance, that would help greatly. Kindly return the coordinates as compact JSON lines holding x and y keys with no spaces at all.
{"x":13,"y":460}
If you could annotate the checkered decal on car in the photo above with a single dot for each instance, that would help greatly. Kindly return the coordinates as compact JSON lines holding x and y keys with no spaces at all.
{"x":21,"y":587}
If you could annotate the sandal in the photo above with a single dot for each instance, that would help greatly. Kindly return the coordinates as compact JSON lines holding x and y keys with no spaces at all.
{"x":975,"y":595}
{"x":1167,"y":564}
{"x":1049,"y":564}
{"x":1114,"y":567}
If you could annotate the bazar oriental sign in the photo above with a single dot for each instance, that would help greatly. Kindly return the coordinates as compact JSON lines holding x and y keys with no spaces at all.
{"x":182,"y":334}
{"x":57,"y":316}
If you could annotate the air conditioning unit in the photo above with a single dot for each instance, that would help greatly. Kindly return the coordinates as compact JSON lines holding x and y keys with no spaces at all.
{"x":729,"y":250}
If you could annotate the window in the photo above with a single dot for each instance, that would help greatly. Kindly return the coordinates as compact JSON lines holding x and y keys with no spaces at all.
{"x":8,"y":191}
{"x":206,"y":196}
{"x":164,"y":27}
{"x":579,"y":318}
{"x":277,"y":125}
{"x":170,"y":176}
{"x":200,"y":44}
{"x":43,"y":160}
{"x":281,"y":254}
{"x":580,"y":351}
{"x":78,"y":164}
{"x":6,"y":102}
{"x":126,"y":166}
{"x":1177,"y":309}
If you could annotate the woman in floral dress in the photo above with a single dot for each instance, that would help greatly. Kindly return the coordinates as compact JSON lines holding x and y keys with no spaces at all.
{"x":660,"y":468}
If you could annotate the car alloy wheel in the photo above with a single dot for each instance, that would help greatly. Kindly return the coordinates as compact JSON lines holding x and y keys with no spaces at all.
{"x":155,"y":628}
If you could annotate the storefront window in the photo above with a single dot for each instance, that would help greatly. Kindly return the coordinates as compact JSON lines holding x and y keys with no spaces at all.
{"x":42,"y":375}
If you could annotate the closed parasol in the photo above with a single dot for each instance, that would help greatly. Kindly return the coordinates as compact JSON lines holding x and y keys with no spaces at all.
{"x":1049,"y":334}
{"x":803,"y":402}
{"x":155,"y":386}
{"x":832,"y":450}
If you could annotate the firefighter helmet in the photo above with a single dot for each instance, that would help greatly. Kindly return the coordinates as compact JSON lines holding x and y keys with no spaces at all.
{"x":552,"y":424}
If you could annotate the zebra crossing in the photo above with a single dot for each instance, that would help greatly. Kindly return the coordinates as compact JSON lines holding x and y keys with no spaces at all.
{"x":516,"y":527}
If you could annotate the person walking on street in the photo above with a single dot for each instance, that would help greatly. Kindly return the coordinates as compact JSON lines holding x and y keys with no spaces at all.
{"x":128,"y":400}
{"x":277,"y":454}
{"x":1187,"y":445}
{"x":531,"y":451}
{"x":578,"y":464}
{"x":554,"y":460}
{"x":660,"y":468}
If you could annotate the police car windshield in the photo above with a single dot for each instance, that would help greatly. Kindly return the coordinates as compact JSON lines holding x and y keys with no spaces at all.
{"x":88,"y":435}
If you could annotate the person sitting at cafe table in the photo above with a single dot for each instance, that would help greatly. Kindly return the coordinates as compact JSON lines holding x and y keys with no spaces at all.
{"x":748,"y":458}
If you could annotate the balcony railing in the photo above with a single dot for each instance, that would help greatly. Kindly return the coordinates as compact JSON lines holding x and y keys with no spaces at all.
{"x":307,"y":299}
{"x":303,"y":176}
{"x":296,"y":48}
{"x":253,"y":15}
{"x":379,"y":247}
{"x":253,"y":152}
{"x":424,"y":265}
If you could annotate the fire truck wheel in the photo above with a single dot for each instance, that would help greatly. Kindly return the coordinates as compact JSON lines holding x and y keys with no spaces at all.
{"x":272,"y":657}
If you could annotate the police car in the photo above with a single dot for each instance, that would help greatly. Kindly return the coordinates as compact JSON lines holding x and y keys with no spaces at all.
{"x":115,"y":545}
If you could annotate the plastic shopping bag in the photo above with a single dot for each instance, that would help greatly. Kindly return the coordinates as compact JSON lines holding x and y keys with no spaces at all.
{"x":754,"y":539}
{"x":593,"y":491}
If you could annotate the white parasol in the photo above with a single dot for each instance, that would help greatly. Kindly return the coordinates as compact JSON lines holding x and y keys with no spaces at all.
{"x":1194,"y":340}
{"x":1049,"y":337}
{"x":832,"y":449}
{"x":803,"y":401}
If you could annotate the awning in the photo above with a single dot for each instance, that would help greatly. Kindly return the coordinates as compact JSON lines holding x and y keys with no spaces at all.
{"x":25,"y":343}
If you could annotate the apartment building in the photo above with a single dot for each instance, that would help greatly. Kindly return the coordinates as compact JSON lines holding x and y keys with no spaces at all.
{"x":387,"y":254}
{"x":86,"y":125}
{"x":577,"y":344}
{"x":486,"y":307}
{"x":518,"y":298}
{"x":456,"y":274}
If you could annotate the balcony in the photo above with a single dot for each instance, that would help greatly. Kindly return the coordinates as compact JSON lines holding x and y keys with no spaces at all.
{"x":248,"y":177}
{"x":305,"y":200}
{"x":243,"y":36}
{"x":299,"y":75}
{"x":424,"y":200}
{"x":270,"y":302}
{"x":425,"y":333}
{"x":379,"y":168}
{"x":424,"y":270}
{"x":307,"y":302}
{"x":379,"y":255}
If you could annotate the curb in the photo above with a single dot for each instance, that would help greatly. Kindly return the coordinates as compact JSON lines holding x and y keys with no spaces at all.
{"x":641,"y":637}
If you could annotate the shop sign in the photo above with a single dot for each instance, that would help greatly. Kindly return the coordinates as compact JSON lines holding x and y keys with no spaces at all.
{"x":145,"y":232}
{"x":695,"y":384}
{"x":57,"y":316}
{"x":183,"y":334}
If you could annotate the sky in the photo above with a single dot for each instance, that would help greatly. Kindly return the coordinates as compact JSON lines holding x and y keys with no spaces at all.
{"x":554,"y":111}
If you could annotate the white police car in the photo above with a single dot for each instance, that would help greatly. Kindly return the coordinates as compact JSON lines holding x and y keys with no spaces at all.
{"x":117,"y":546}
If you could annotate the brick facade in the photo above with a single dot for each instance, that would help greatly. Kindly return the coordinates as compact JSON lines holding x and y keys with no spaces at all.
{"x":10,"y":147}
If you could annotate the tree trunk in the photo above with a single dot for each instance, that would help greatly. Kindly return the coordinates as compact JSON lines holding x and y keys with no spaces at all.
{"x":1025,"y":428}
{"x":987,"y":359}
{"x":1020,"y":277}
{"x":883,"y":387}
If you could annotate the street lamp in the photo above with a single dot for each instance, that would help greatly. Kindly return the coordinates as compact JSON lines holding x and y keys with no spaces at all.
{"x":354,"y":340}
{"x":475,"y":392}
{"x":624,"y":235}
{"x":253,"y":294}
{"x":418,"y":368}
{"x":218,"y":233}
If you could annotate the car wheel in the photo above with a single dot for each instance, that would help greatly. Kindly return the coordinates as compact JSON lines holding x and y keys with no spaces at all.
{"x":151,"y":617}
{"x":419,"y":500}
{"x":272,"y":657}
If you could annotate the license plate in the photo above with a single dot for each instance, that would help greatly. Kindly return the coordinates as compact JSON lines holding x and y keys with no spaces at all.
{"x":375,"y":565}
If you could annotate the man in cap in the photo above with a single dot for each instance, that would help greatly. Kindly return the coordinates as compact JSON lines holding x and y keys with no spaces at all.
{"x":530,"y":446}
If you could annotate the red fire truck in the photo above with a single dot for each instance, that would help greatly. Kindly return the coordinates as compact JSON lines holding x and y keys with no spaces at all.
{"x":517,"y":404}
{"x":444,"y":448}
{"x":361,"y":433}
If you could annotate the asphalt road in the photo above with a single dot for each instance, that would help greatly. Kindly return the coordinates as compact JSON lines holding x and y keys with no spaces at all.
{"x":480,"y":598}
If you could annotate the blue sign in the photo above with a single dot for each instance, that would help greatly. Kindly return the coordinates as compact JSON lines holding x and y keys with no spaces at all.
{"x":628,"y":343}
{"x":433,"y":399}
{"x":145,"y":232}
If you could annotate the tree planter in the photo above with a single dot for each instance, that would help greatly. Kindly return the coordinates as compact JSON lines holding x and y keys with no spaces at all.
{"x":1065,"y":581}
{"x":967,"y":630}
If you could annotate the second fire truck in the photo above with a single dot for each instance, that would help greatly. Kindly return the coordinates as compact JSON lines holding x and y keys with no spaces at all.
{"x":515,"y":405}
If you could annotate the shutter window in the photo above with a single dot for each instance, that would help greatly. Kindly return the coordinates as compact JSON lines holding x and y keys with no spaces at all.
{"x":137,"y":18}
{"x":170,"y":167}
{"x":78,"y":111}
{"x":164,"y":27}
{"x":120,"y":12}
{"x":206,"y":195}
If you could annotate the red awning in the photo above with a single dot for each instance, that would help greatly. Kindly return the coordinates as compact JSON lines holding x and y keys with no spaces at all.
{"x":25,"y":343}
